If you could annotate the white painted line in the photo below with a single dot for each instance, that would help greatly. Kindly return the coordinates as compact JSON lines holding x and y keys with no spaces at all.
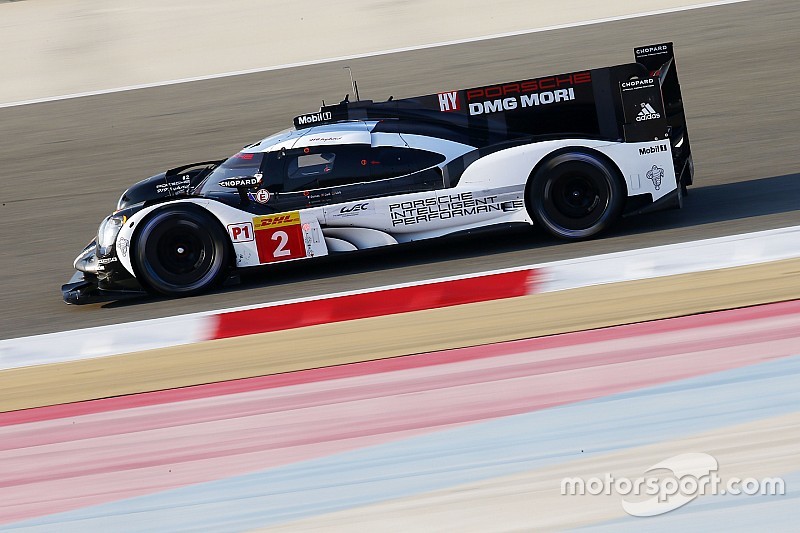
{"x":673,"y":259}
{"x":104,"y":341}
{"x":377,"y":53}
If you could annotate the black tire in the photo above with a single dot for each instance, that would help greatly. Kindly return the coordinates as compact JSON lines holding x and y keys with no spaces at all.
{"x":575,"y":195}
{"x":180,"y":251}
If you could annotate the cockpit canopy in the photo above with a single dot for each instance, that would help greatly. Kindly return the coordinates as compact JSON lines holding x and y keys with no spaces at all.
{"x":323,"y":156}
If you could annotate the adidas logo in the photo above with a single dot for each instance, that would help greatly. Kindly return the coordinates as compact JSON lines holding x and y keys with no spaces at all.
{"x":647,"y":113}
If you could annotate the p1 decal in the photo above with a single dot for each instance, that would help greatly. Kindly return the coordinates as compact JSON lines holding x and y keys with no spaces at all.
{"x":242,"y":232}
{"x":279,"y":237}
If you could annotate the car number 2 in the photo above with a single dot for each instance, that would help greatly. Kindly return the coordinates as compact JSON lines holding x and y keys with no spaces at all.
{"x":281,"y":250}
{"x":279,"y":237}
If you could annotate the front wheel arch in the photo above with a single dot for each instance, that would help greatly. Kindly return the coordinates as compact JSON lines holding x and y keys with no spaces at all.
{"x":603,"y":163}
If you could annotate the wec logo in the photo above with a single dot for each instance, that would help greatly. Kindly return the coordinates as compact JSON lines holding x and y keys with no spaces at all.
{"x":354,"y":208}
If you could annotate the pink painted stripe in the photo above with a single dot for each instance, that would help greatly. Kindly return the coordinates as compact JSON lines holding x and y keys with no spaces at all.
{"x":377,"y":303}
{"x":63,"y":464}
{"x":761,"y":312}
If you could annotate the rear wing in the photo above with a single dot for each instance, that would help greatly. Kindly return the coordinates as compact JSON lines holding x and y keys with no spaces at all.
{"x":660,"y":60}
{"x":634,"y":102}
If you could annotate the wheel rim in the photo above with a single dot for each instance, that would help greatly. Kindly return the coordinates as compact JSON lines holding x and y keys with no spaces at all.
{"x":180,"y":255}
{"x":181,"y":252}
{"x":577,"y":201}
{"x":575,"y":196}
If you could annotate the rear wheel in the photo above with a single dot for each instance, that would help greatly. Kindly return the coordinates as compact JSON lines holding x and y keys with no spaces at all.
{"x":575,"y":195}
{"x":181,"y":251}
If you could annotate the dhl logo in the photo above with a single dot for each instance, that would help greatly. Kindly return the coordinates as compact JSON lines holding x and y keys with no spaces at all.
{"x":276,"y":221}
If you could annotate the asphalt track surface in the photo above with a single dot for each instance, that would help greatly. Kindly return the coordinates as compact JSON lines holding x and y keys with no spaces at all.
{"x":65,"y":163}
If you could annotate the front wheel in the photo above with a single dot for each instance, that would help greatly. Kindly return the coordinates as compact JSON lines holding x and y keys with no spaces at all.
{"x":180,"y":251}
{"x":575,"y":195}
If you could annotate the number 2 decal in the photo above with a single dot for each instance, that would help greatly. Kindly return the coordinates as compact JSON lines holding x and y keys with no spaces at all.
{"x":279,"y":237}
{"x":281,"y":250}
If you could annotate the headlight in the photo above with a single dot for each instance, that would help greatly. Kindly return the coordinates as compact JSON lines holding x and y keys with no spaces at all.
{"x":107,"y":233}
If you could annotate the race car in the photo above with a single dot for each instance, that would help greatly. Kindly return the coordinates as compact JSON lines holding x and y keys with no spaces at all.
{"x":570,"y":153}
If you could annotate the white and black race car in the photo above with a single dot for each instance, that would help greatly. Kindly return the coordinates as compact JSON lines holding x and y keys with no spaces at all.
{"x":570,"y":152}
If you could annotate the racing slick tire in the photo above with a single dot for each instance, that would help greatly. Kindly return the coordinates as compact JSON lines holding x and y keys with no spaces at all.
{"x":180,"y":251}
{"x":575,"y":195}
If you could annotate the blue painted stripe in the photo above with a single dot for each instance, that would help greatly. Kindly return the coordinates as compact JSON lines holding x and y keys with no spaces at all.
{"x":435,"y":461}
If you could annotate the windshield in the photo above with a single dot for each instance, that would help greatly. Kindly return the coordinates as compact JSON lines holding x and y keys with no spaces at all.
{"x":240,"y":165}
